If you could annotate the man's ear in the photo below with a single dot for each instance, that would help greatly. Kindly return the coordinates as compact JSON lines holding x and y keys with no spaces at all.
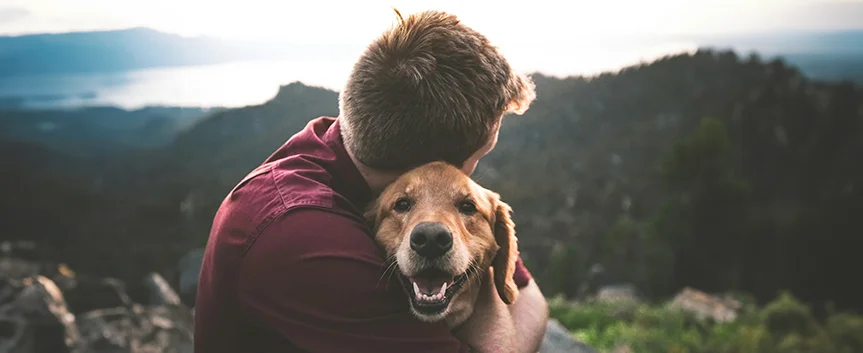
{"x":507,"y":255}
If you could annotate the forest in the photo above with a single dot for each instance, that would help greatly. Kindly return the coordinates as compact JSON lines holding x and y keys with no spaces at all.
{"x":711,"y":170}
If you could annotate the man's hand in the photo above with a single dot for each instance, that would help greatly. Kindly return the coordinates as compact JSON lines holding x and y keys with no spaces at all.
{"x":497,"y":327}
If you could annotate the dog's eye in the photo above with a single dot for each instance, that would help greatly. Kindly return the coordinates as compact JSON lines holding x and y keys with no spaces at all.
{"x":467,"y":207}
{"x":402,"y":205}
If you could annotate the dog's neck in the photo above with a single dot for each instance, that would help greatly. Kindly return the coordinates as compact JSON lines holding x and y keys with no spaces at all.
{"x":462,"y":306}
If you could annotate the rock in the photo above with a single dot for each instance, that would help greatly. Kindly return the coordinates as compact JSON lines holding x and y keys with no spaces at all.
{"x":558,"y":339}
{"x":138,"y":329}
{"x":706,"y":306}
{"x":91,"y":293}
{"x":161,"y":291}
{"x":14,"y":268}
{"x":19,"y":249}
{"x":35,"y":319}
{"x":617,"y":292}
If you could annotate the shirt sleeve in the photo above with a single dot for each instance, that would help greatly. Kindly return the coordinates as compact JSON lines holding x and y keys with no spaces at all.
{"x":521,"y":276}
{"x":317,"y":279}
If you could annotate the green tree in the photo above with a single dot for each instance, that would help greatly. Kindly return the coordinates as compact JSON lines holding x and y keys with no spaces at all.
{"x":704,"y":221}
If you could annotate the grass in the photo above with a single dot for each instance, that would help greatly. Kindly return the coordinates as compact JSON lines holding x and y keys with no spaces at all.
{"x":784,"y":325}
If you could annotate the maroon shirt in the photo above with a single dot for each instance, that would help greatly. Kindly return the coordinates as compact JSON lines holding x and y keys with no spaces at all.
{"x":291,"y":266}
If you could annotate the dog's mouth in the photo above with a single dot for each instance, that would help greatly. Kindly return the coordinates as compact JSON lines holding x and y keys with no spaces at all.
{"x":432,"y":290}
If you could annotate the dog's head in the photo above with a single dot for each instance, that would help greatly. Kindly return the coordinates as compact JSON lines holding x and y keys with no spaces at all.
{"x":443,"y":231}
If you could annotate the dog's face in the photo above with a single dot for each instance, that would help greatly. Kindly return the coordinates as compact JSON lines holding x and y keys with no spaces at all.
{"x":443,"y":231}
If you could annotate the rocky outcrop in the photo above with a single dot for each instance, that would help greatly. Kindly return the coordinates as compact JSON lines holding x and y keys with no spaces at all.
{"x":35,"y":317}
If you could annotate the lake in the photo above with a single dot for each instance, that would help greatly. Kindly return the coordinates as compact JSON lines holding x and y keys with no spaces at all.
{"x":246,"y":83}
{"x":226,"y":85}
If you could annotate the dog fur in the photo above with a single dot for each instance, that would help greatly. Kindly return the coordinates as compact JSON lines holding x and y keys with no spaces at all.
{"x":483,"y":235}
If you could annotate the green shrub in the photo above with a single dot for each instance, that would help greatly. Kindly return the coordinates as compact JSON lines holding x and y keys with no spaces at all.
{"x":786,"y":315}
{"x":784,"y":325}
{"x":846,"y":332}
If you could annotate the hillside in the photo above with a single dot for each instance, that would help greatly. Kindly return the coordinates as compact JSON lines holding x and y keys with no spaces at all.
{"x":86,"y":131}
{"x":707,"y":170}
{"x":823,"y":55}
{"x":120,"y":50}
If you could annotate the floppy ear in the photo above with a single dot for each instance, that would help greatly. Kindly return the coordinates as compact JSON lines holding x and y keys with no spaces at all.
{"x":371,"y":214}
{"x":507,"y":255}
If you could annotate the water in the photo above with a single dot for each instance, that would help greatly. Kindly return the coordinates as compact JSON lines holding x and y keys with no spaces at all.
{"x":248,"y":83}
{"x":220,"y":85}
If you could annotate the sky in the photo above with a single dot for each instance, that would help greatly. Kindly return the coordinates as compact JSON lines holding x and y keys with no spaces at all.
{"x":523,"y":30}
{"x":505,"y":19}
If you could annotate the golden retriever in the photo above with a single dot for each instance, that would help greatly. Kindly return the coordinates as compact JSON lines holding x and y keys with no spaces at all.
{"x":442,"y":231}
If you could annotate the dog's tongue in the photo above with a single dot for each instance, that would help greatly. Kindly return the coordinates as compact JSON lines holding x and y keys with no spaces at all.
{"x":431,"y":285}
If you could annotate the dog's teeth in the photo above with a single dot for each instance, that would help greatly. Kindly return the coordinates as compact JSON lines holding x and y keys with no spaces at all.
{"x":443,"y":288}
{"x":416,"y":288}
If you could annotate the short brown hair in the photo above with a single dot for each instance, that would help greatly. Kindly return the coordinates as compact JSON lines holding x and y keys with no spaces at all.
{"x":428,"y":89}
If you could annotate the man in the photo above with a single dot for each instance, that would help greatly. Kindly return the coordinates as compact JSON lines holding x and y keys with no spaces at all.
{"x":292,"y":267}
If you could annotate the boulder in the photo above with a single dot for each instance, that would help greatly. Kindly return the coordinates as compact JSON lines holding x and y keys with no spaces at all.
{"x":34,"y":317}
{"x":138,"y":329}
{"x":558,"y":339}
{"x":705,"y":306}
{"x":617,"y":292}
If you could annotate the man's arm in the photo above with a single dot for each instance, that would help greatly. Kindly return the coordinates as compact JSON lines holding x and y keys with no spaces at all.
{"x":530,"y":313}
{"x":316,"y":279}
{"x":497,"y":327}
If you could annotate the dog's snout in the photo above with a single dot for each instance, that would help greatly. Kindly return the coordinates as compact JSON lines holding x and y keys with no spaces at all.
{"x":431,"y":240}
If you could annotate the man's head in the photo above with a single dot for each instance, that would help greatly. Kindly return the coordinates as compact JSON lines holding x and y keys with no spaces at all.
{"x":429,"y":89}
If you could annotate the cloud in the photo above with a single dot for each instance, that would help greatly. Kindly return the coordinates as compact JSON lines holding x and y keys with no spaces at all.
{"x":12,"y":14}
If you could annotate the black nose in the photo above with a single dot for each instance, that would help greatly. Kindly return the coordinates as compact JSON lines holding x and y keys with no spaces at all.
{"x":431,"y":240}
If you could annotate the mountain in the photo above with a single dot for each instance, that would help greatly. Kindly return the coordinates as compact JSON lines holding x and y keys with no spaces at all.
{"x":823,"y":55}
{"x":790,"y":42}
{"x":87,"y":131}
{"x":121,"y":50}
{"x":711,"y":170}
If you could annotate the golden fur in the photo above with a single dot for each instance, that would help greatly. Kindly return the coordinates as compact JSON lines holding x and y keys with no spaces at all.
{"x":483,"y":235}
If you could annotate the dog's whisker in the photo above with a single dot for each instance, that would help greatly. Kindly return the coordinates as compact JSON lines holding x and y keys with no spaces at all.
{"x":392,"y":272}
{"x":391,"y":267}
{"x":476,"y":274}
{"x":470,"y":273}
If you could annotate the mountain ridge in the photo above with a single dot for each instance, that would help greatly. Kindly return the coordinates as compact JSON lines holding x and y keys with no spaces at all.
{"x":713,"y":170}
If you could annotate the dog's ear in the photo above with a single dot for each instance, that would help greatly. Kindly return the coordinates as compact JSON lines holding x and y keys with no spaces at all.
{"x":371,"y":214}
{"x":507,"y":255}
